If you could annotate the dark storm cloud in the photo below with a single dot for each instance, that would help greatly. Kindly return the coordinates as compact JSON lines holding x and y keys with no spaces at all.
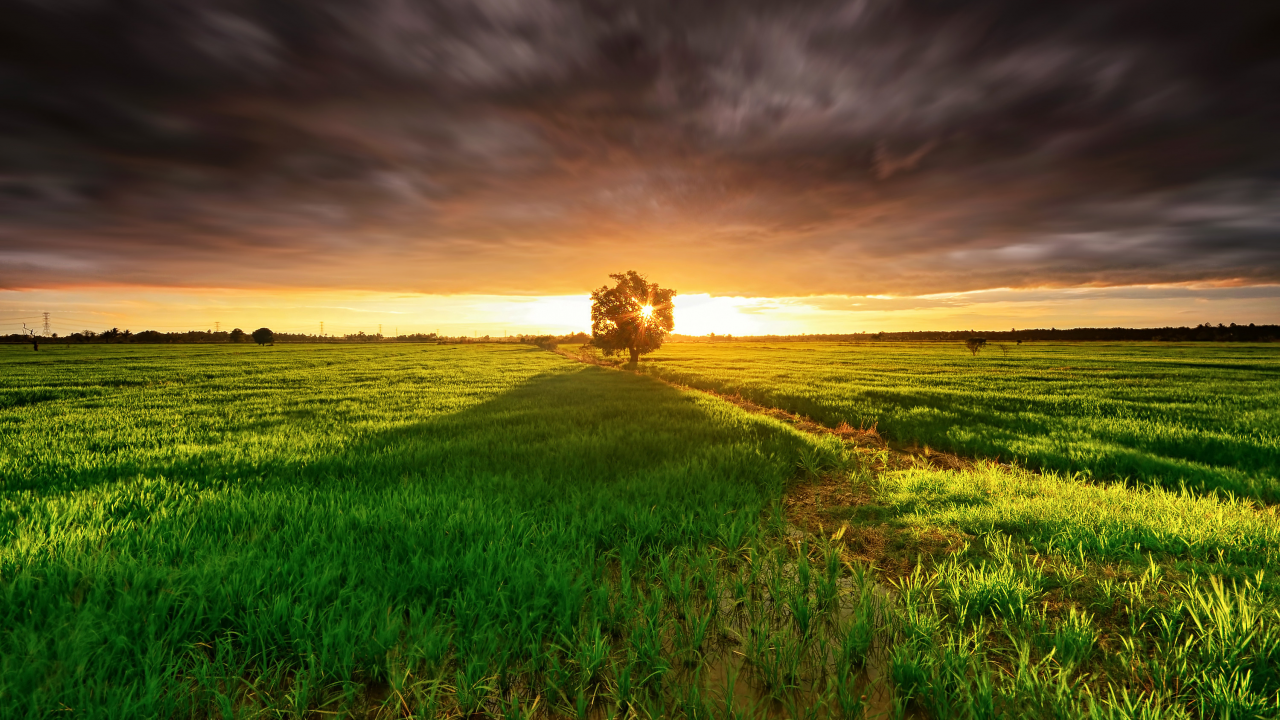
{"x":742,"y":147}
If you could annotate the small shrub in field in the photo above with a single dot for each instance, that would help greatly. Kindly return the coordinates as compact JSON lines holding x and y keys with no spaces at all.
{"x":1000,"y":588}
{"x":1075,"y":638}
{"x":975,"y":344}
{"x":858,"y":636}
{"x":909,"y":669}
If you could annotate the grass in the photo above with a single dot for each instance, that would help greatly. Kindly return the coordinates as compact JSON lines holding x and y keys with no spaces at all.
{"x":495,"y":531}
{"x":299,"y":528}
{"x":1060,"y":513}
{"x":979,"y":636}
{"x":1204,"y":415}
{"x":1049,"y":596}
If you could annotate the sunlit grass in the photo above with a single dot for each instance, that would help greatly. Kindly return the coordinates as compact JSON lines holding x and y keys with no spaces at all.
{"x":1097,"y":520}
{"x":1204,"y":415}
{"x":1072,"y":599}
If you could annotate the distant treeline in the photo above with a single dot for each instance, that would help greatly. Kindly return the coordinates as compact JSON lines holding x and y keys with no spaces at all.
{"x":1200,"y":333}
{"x":116,"y":335}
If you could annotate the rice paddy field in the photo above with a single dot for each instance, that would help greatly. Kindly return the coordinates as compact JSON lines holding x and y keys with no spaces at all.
{"x":497,"y":531}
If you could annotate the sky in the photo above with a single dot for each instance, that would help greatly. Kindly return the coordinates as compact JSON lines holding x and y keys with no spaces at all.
{"x":480,"y":166}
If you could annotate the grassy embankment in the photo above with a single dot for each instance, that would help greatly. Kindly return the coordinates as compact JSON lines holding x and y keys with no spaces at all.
{"x":437,"y":530}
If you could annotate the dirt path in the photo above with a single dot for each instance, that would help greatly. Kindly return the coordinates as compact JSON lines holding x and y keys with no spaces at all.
{"x":840,"y":504}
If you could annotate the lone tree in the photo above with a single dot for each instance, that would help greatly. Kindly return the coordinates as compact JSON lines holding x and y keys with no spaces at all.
{"x":263,"y":336}
{"x":975,"y":344}
{"x":634,"y":315}
{"x":35,"y":339}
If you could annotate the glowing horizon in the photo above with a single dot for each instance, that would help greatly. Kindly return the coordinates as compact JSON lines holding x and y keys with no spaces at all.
{"x":350,"y":312}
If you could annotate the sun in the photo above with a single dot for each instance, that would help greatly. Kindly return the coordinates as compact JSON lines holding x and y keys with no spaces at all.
{"x":646,"y":312}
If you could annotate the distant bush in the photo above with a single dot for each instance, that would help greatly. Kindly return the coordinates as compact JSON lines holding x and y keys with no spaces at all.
{"x":553,"y":342}
{"x":975,"y":344}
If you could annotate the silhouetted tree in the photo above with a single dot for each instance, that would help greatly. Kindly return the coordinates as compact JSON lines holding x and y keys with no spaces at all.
{"x":236,"y":335}
{"x":975,"y":344}
{"x":634,"y":315}
{"x":263,"y":336}
{"x":35,"y":340}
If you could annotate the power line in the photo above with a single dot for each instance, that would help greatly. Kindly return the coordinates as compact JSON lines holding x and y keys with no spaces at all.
{"x":79,"y":318}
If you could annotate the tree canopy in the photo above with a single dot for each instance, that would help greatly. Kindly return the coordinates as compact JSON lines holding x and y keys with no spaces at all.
{"x":263,"y":336}
{"x":634,"y":315}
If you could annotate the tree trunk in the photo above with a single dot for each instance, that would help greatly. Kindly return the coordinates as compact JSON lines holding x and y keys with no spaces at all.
{"x":635,"y":356}
{"x":35,"y":345}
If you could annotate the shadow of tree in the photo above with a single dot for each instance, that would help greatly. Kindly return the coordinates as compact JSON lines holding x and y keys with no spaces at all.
{"x":485,"y":532}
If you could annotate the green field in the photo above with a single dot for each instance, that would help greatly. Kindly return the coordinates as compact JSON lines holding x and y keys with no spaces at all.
{"x":1204,"y":415}
{"x":497,"y":531}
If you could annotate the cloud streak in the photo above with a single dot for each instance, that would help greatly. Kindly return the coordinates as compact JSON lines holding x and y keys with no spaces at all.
{"x":758,"y":148}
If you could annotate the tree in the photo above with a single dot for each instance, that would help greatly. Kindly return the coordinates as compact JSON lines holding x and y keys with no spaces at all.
{"x":546,"y":342}
{"x":635,"y":315}
{"x":263,"y":336}
{"x":236,"y":335}
{"x":975,"y":344}
{"x":35,"y":340}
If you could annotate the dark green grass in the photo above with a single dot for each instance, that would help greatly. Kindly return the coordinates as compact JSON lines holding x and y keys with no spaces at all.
{"x":193,"y":528}
{"x":1207,"y":415}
